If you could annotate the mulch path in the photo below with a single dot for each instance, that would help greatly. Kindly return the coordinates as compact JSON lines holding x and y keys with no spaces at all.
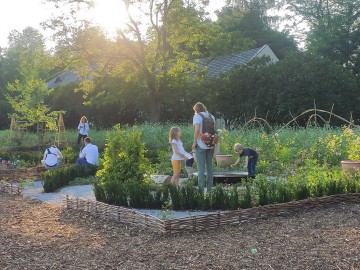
{"x":36,"y":235}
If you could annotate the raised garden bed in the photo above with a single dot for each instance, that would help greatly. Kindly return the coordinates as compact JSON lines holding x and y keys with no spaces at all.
{"x":201,"y":222}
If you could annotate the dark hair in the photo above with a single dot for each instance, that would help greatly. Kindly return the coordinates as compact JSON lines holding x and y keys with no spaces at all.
{"x":87,"y":140}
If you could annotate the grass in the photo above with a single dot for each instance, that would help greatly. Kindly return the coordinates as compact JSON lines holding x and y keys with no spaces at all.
{"x":279,"y":152}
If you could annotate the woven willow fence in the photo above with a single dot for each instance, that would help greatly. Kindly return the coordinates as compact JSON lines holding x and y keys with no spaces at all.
{"x":10,"y":188}
{"x":23,"y":173}
{"x":200,"y":222}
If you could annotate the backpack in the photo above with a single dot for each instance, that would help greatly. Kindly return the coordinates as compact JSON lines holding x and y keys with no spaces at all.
{"x":208,"y":134}
{"x":51,"y":159}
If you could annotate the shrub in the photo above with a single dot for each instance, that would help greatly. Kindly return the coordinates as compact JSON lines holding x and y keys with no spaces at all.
{"x":246,"y":198}
{"x":124,"y":157}
{"x":59,"y":177}
{"x":219,"y":198}
{"x":70,"y":155}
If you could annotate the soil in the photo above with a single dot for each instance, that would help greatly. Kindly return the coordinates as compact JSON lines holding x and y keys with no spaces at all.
{"x":35,"y":235}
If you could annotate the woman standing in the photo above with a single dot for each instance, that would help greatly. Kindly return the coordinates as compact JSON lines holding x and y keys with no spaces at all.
{"x":204,"y":154}
{"x":83,"y":129}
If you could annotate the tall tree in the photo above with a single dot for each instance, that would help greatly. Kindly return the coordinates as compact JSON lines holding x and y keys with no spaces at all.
{"x":334,"y":28}
{"x":164,"y":55}
{"x":253,"y":20}
{"x":26,"y":94}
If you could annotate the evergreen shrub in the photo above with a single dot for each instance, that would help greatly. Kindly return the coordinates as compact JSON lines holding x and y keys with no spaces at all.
{"x":59,"y":177}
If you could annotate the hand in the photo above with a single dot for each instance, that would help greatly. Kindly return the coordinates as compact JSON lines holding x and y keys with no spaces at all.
{"x":193,"y":147}
{"x":232,"y":165}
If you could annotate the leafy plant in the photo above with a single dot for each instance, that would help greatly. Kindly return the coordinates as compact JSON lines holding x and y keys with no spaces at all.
{"x":59,"y":177}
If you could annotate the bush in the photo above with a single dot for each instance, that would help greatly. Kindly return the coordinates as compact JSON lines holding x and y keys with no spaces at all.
{"x":59,"y":177}
{"x":70,"y":155}
{"x":122,"y":179}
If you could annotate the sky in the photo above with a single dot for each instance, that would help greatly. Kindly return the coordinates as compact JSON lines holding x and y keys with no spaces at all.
{"x":19,"y":14}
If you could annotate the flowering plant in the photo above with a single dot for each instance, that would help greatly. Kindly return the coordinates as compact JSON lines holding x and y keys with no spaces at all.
{"x":352,"y":144}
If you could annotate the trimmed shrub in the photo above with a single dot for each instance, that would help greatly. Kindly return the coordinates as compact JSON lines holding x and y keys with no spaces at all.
{"x":59,"y":177}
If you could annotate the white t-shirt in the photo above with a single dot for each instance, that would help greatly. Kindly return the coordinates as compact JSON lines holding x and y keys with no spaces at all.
{"x":91,"y":153}
{"x":197,"y":119}
{"x":52,"y":157}
{"x":83,"y":128}
{"x":180,"y":148}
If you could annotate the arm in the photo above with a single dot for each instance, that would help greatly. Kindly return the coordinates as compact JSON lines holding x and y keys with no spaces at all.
{"x":86,"y":128}
{"x":60,"y":156}
{"x":196,"y":135}
{"x":236,"y":163}
{"x":246,"y":161}
{"x":176,"y":150}
{"x":82,"y":153}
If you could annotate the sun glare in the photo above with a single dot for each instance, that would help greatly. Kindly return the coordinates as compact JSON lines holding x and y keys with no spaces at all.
{"x":109,"y":14}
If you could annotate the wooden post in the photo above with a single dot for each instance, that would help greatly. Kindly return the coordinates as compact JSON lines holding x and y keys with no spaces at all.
{"x":60,"y":136}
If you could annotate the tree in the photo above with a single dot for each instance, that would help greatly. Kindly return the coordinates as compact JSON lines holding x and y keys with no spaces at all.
{"x":165,"y":55}
{"x":334,"y":28}
{"x":251,"y":18}
{"x":27,"y":93}
{"x":288,"y":87}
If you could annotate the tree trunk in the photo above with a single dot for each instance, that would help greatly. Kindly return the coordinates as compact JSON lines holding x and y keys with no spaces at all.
{"x":154,"y":107}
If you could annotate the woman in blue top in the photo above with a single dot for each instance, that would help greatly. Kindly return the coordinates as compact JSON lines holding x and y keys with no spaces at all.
{"x":251,"y":157}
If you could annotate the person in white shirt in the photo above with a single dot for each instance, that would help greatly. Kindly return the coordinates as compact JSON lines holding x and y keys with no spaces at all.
{"x":83,"y":128}
{"x":52,"y":158}
{"x":179,"y":154}
{"x":204,"y":154}
{"x":89,"y":154}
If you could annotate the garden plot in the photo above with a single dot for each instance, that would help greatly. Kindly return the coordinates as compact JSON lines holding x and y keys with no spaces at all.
{"x":34,"y":190}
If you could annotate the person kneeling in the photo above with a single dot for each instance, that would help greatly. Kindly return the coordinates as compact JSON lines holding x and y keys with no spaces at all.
{"x":52,"y":158}
{"x":89,"y":155}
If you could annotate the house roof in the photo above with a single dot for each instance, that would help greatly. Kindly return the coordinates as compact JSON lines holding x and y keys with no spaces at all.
{"x":64,"y":78}
{"x":223,"y":64}
{"x":216,"y":66}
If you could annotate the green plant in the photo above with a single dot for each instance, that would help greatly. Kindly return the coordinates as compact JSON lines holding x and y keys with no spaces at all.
{"x":69,"y":155}
{"x":87,"y":180}
{"x":246,"y":198}
{"x":124,"y":157}
{"x":219,"y":198}
{"x":352,"y":144}
{"x":59,"y":177}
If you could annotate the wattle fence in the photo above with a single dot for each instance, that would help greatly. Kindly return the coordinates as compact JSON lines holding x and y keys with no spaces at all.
{"x":10,"y":189}
{"x":201,"y":222}
{"x":10,"y":175}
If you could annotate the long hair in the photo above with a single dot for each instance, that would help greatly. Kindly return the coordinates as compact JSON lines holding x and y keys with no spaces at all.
{"x":199,"y":107}
{"x":83,"y":118}
{"x":173,"y":132}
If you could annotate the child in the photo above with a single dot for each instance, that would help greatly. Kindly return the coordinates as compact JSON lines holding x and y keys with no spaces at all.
{"x":251,"y":157}
{"x":179,"y":154}
{"x":189,"y":165}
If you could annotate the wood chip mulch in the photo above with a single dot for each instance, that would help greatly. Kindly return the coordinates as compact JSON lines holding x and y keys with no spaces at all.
{"x":36,"y":235}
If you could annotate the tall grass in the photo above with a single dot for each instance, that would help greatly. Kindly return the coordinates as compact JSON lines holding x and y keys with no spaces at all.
{"x":279,"y":152}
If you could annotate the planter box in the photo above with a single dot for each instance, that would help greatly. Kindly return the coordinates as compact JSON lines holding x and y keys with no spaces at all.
{"x":350,"y":164}
{"x":223,"y":161}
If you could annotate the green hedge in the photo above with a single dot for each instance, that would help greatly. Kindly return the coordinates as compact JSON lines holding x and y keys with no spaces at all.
{"x":59,"y":177}
{"x":188,"y":197}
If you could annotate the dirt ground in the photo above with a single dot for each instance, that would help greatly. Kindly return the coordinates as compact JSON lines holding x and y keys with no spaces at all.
{"x":36,"y":236}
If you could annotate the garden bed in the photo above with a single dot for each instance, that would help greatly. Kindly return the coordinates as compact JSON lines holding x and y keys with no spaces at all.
{"x":200,"y":222}
{"x":43,"y":236}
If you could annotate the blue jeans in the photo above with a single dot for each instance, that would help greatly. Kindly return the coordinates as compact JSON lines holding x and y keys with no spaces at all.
{"x":251,"y":166}
{"x":82,"y":162}
{"x":204,"y":158}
